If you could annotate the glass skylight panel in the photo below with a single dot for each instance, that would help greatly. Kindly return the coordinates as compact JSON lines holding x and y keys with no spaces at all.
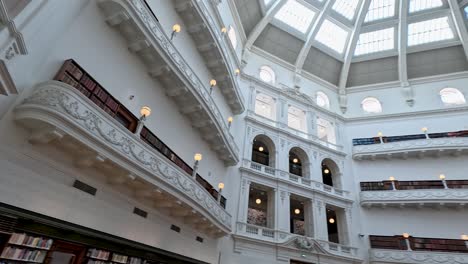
{"x":466,"y":12}
{"x":267,"y":2}
{"x":332,"y":36}
{"x":296,"y":15}
{"x":375,"y":41}
{"x":418,"y":5}
{"x":346,"y":8}
{"x":429,"y":31}
{"x":379,"y":9}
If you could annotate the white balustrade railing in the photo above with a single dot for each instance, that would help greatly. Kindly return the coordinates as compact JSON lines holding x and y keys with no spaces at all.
{"x":280,"y":237}
{"x":270,"y":171}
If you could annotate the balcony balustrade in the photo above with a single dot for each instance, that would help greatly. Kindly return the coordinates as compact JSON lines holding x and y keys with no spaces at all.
{"x":211,"y":43}
{"x":309,"y":184}
{"x":294,"y":241}
{"x":146,"y":38}
{"x":62,"y":117}
{"x":416,"y":250}
{"x":408,"y":146}
{"x":449,"y":193}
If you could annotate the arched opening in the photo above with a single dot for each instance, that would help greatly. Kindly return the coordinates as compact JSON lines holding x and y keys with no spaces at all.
{"x":263,"y":151}
{"x":267,"y":74}
{"x":371,"y":105}
{"x":452,"y":96}
{"x":331,"y":173}
{"x":298,"y":162}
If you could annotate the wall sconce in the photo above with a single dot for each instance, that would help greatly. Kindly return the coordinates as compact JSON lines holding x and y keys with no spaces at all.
{"x":230,"y":119}
{"x":424,"y":130}
{"x":380,"y":135}
{"x":237,"y":72}
{"x":197,"y":157}
{"x":392,"y":179}
{"x":212,"y":84}
{"x":297,"y":211}
{"x":175,"y":29}
{"x":145,"y":111}
{"x":220,"y":190}
{"x":465,"y":237}
{"x":258,"y":201}
{"x":442,"y":178}
{"x":224,"y":30}
{"x":331,"y":221}
{"x":406,"y":237}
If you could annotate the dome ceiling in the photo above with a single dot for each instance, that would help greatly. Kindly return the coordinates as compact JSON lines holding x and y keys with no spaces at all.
{"x":359,"y":42}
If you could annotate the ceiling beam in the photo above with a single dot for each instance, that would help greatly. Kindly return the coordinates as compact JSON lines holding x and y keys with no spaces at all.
{"x":403,"y":43}
{"x":353,"y":39}
{"x":459,"y":23}
{"x":312,"y":33}
{"x":257,"y":30}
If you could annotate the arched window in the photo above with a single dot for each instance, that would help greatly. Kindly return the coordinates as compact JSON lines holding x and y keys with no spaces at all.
{"x":371,"y":105}
{"x":263,"y":151}
{"x":298,"y":162}
{"x":331,"y":175}
{"x":452,"y":96}
{"x":232,"y":37}
{"x":322,"y":100}
{"x":267,"y":74}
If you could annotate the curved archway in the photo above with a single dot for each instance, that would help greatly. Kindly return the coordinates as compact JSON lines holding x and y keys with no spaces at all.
{"x":263,"y":151}
{"x":267,"y":74}
{"x":299,"y":162}
{"x":331,"y":174}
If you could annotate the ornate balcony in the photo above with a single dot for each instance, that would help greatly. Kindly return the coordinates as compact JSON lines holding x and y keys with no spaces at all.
{"x":60,"y":117}
{"x":146,"y":38}
{"x":436,"y":144}
{"x":415,"y":194}
{"x":210,"y":41}
{"x":396,"y":249}
{"x":286,"y":177}
{"x":292,"y":242}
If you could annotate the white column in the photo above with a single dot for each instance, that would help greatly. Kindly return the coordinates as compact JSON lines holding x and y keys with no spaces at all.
{"x":282,"y":113}
{"x":283,"y":211}
{"x":271,"y":210}
{"x":309,"y":218}
{"x":243,"y":201}
{"x":320,"y":220}
{"x":310,"y":118}
{"x":253,"y":98}
{"x":344,"y":225}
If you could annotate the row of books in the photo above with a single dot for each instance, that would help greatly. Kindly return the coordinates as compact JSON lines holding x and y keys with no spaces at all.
{"x":24,"y":254}
{"x":134,"y":260}
{"x":30,"y":241}
{"x":98,"y":254}
{"x":119,"y":258}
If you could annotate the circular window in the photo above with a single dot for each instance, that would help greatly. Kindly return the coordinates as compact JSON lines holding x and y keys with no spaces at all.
{"x":371,"y":105}
{"x":322,"y":100}
{"x":267,"y":74}
{"x":232,"y":36}
{"x":452,"y":96}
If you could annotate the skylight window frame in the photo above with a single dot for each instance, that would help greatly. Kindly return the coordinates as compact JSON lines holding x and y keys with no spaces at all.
{"x":292,"y":30}
{"x":382,"y":53}
{"x":443,"y":6}
{"x":380,"y":20}
{"x":329,"y":51}
{"x":435,"y":44}
{"x":351,"y":20}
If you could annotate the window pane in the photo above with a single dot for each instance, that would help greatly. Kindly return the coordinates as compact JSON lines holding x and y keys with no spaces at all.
{"x":375,"y":41}
{"x":296,"y":15}
{"x":452,"y":96}
{"x":418,"y":5}
{"x":379,"y":9}
{"x":371,"y":105}
{"x":346,"y":8}
{"x":267,"y":74}
{"x":429,"y":31}
{"x":332,"y":36}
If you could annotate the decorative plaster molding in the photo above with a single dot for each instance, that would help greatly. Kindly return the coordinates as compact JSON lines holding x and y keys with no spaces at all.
{"x":219,"y":39}
{"x":58,"y":105}
{"x":419,"y":147}
{"x":416,"y":257}
{"x":416,"y":197}
{"x":119,"y":11}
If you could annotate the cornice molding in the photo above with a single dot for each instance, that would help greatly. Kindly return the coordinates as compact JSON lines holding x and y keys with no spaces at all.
{"x":55,"y":104}
{"x":134,"y":18}
{"x":416,"y":257}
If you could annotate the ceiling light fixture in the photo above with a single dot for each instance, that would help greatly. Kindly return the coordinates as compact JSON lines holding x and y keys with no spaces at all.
{"x":212,"y":84}
{"x":326,"y":171}
{"x":297,"y":211}
{"x":175,"y":29}
{"x":258,"y":201}
{"x":331,"y":220}
{"x":295,"y":160}
{"x":260,"y":149}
